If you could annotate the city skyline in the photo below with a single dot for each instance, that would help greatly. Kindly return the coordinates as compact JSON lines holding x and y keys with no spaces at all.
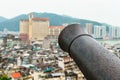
{"x":105,"y":11}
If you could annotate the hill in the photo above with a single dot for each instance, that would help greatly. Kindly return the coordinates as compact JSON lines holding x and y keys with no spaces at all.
{"x":13,"y":24}
{"x":2,"y":19}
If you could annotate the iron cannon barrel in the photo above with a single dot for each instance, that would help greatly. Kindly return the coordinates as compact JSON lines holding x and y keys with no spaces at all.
{"x":95,"y":61}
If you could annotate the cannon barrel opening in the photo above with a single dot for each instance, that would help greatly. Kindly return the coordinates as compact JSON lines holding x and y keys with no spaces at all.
{"x":95,"y":61}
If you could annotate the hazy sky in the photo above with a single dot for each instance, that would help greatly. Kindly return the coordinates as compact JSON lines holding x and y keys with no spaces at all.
{"x":107,"y":11}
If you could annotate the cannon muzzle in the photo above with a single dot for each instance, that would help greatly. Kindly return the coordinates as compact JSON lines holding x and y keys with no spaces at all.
{"x":95,"y":61}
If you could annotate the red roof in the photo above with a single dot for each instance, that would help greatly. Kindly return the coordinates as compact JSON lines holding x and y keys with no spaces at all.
{"x":24,"y":20}
{"x":16,"y":75}
{"x":56,"y":26}
{"x":40,"y":19}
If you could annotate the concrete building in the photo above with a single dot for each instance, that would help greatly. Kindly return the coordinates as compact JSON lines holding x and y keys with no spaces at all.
{"x":114,"y":32}
{"x":39,"y":29}
{"x":34,"y":28}
{"x":89,"y":28}
{"x":99,"y":31}
{"x":55,"y":30}
{"x":24,"y":30}
{"x":67,"y":63}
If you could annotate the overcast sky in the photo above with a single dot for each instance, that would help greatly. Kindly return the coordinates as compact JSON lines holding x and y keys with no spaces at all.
{"x":106,"y":11}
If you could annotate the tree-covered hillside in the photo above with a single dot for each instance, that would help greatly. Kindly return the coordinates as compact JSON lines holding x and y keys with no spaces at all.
{"x":55,"y":20}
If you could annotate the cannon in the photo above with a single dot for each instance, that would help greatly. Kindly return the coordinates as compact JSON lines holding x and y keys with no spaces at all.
{"x":95,"y":61}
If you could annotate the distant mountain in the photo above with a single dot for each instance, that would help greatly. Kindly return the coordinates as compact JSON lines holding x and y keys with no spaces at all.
{"x":2,"y":19}
{"x":55,"y":20}
{"x":12,"y":24}
{"x":61,"y":19}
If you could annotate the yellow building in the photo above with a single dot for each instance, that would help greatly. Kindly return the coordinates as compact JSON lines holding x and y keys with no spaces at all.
{"x":24,"y":27}
{"x":34,"y":28}
{"x":38,"y":29}
{"x":24,"y":30}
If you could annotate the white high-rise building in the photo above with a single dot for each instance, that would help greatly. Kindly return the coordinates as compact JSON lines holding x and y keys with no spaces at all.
{"x":99,"y":31}
{"x":96,"y":31}
{"x":114,"y":32}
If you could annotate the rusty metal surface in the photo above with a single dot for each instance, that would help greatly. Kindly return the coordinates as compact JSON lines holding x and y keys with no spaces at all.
{"x":96,"y":62}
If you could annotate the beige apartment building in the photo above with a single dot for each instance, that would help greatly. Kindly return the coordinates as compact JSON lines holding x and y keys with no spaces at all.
{"x":38,"y":29}
{"x":34,"y":29}
{"x":55,"y":30}
{"x":24,"y":30}
{"x":89,"y":27}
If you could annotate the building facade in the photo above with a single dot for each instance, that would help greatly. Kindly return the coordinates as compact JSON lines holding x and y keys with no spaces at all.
{"x":39,"y":29}
{"x":24,"y":30}
{"x":34,"y":28}
{"x":55,"y":30}
{"x":100,"y":31}
{"x":114,"y":32}
{"x":89,"y":28}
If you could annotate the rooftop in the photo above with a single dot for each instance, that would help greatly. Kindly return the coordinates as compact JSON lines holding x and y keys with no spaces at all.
{"x":40,"y":19}
{"x":56,"y":26}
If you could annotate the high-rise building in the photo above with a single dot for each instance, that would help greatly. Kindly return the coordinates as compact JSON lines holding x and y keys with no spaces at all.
{"x":114,"y":32}
{"x":99,"y":31}
{"x":34,"y":28}
{"x":24,"y":30}
{"x":89,"y":28}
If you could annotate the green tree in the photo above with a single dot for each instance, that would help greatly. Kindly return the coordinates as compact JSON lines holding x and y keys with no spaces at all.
{"x":4,"y":76}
